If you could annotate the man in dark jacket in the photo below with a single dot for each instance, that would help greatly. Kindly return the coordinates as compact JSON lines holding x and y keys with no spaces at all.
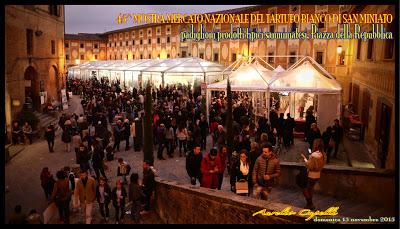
{"x":310,"y":119}
{"x":97,"y":159}
{"x":204,"y":131}
{"x":103,"y":196}
{"x":127,"y":133}
{"x":160,"y":135}
{"x":288,"y":137}
{"x":266,"y":171}
{"x":313,"y":134}
{"x":337,"y":134}
{"x":135,"y":194}
{"x":118,"y":130}
{"x":50,"y":135}
{"x":148,"y":183}
{"x":193,"y":164}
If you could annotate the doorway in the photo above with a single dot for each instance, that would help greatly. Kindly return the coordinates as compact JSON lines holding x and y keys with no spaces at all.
{"x":32,"y":88}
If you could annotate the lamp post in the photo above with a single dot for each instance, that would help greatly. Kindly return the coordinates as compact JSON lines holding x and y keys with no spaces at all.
{"x":342,"y":55}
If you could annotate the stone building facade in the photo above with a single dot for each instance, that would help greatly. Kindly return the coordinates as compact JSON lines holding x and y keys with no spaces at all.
{"x":83,"y":47}
{"x":34,"y":56}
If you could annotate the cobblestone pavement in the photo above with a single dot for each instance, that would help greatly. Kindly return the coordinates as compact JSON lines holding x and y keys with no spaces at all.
{"x":22,"y":179}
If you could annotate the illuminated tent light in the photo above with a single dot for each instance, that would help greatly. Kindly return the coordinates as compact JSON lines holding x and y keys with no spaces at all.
{"x":248,"y":77}
{"x":305,"y":78}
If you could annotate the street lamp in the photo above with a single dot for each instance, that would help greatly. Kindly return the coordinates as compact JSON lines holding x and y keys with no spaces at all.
{"x":341,"y":54}
{"x":339,"y":49}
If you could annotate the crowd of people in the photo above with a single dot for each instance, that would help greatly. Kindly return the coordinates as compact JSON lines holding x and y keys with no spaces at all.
{"x":111,"y":115}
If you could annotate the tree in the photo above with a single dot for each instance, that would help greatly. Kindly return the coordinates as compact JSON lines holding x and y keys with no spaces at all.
{"x":229,"y":118}
{"x":148,"y":130}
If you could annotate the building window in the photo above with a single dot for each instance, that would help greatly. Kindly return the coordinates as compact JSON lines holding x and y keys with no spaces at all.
{"x":96,"y":46}
{"x":141,"y":42}
{"x":120,"y":43}
{"x":158,"y":40}
{"x":141,"y":56}
{"x":82,"y":46}
{"x":233,"y":57}
{"x":29,"y":41}
{"x":370,"y":48}
{"x":201,"y":55}
{"x":54,"y":10}
{"x":149,"y":32}
{"x":389,"y":44}
{"x":358,"y":49}
{"x":126,"y":43}
{"x":292,"y":59}
{"x":95,"y":57}
{"x":158,"y":55}
{"x":149,"y":41}
{"x":67,"y":57}
{"x":115,"y":56}
{"x":183,"y":54}
{"x":168,"y":29}
{"x":216,"y":57}
{"x":66,"y":45}
{"x":168,"y":55}
{"x":270,"y":57}
{"x":272,"y":28}
{"x":319,"y":58}
{"x":82,"y":57}
{"x":133,"y":56}
{"x":110,"y":57}
{"x":127,"y":57}
{"x":168,"y":39}
{"x":133,"y":42}
{"x":149,"y":56}
{"x":53,"y":47}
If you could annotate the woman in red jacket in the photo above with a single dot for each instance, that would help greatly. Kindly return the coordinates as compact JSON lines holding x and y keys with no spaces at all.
{"x":210,"y":166}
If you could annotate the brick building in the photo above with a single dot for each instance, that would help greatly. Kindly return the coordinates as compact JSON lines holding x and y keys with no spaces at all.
{"x":83,"y":47}
{"x":34,"y":51}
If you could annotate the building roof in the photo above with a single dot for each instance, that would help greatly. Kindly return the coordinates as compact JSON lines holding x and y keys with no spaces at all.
{"x":229,"y":11}
{"x":86,"y":37}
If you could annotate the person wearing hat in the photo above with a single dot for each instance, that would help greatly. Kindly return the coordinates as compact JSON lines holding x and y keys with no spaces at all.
{"x":210,"y":166}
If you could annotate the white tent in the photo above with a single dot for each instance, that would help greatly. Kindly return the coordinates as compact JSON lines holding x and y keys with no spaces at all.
{"x":279,"y":69}
{"x":307,"y":76}
{"x":134,"y":72}
{"x":248,"y":77}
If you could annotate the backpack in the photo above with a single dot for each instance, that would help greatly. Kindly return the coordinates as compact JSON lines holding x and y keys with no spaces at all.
{"x":61,"y":196}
